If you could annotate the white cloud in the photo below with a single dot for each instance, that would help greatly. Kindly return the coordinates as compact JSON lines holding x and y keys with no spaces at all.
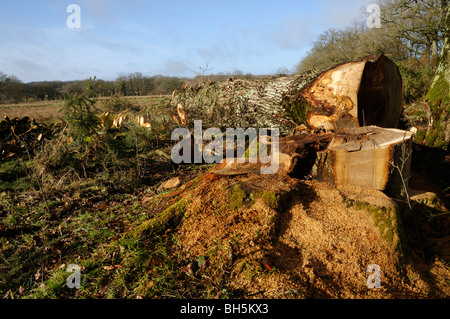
{"x":174,"y":67}
{"x":340,"y":14}
{"x":292,"y":34}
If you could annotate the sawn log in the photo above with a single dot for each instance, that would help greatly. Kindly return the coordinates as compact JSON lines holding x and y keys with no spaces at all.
{"x":358,"y":93}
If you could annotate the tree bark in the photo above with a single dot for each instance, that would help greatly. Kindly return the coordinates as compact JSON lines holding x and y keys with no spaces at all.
{"x":439,"y":90}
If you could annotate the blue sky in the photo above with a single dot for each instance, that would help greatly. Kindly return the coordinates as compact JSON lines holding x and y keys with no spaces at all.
{"x":168,"y":37}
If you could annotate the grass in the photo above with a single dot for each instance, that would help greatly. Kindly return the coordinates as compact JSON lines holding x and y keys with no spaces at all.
{"x":42,"y":111}
{"x":96,"y":221}
{"x":14,"y":175}
{"x":106,"y":240}
{"x":92,"y":214}
{"x":50,"y":110}
{"x":155,"y":226}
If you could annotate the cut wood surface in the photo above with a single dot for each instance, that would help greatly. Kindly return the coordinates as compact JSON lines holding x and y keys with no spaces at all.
{"x":368,"y":156}
{"x":360,"y":93}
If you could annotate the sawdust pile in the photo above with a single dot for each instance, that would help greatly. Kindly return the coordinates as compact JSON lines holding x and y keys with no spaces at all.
{"x":280,"y":237}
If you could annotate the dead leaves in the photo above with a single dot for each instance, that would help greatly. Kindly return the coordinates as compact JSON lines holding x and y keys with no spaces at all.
{"x":38,"y":275}
{"x":112,"y":267}
{"x":267,"y":263}
{"x":21,"y":290}
{"x":194,"y":266}
{"x":155,"y":262}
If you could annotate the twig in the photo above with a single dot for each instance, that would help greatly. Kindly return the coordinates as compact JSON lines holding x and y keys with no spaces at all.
{"x":400,"y":168}
{"x":32,"y":168}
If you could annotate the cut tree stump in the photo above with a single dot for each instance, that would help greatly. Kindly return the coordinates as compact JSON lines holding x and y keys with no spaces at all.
{"x":367,"y":156}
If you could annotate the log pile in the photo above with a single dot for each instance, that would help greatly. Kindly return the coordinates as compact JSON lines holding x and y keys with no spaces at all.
{"x":21,"y":135}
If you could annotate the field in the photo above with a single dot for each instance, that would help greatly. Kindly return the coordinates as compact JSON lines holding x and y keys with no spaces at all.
{"x":51,"y":110}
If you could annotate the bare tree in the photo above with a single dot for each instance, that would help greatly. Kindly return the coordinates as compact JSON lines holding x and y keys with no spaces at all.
{"x":417,"y":24}
{"x":14,"y":89}
{"x":409,"y":29}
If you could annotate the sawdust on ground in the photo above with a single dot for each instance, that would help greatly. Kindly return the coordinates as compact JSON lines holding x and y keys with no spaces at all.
{"x":315,"y":246}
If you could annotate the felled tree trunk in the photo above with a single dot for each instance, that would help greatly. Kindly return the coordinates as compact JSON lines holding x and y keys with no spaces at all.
{"x":341,"y":101}
{"x":358,"y":93}
{"x":238,"y":103}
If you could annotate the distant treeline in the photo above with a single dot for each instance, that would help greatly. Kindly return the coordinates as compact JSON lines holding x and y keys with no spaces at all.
{"x":13,"y":90}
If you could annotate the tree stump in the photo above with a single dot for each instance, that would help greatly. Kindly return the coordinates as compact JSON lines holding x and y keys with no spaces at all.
{"x":367,"y":156}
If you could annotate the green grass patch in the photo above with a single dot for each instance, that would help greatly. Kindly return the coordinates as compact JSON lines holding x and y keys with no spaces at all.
{"x":155,"y":226}
{"x":237,"y":197}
